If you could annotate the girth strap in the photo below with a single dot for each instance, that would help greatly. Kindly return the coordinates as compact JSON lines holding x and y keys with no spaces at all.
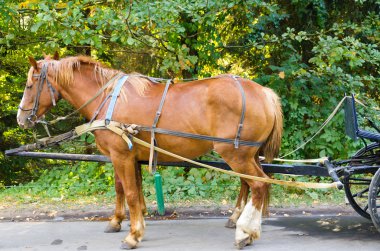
{"x":153,"y":154}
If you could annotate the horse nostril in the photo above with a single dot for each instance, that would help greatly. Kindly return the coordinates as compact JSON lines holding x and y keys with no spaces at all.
{"x":21,"y":123}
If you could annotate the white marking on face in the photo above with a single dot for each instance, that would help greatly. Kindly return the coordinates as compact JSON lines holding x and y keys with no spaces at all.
{"x":19,"y":111}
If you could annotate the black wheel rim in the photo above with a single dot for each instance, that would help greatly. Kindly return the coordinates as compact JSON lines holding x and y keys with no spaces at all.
{"x":357,"y":186}
{"x":374,"y":200}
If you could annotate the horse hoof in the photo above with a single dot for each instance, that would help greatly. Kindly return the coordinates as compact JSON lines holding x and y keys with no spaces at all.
{"x":112,"y":228}
{"x":129,"y":243}
{"x":244,"y":242}
{"x":125,"y":245}
{"x":230,"y":224}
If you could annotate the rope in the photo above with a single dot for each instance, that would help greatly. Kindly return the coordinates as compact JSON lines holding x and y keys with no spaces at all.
{"x":251,"y":177}
{"x":116,"y":128}
{"x":324,"y":124}
{"x":330,"y":117}
{"x":320,"y":160}
{"x":100,"y":91}
{"x":362,"y":104}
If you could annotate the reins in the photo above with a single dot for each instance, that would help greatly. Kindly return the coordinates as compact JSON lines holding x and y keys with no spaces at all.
{"x":128,"y":132}
{"x":97,"y":94}
{"x":124,"y":132}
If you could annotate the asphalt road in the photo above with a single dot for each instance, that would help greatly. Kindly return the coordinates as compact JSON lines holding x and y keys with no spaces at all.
{"x":321,"y":233}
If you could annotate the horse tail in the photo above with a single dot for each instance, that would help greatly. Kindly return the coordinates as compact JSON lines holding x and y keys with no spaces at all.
{"x":271,"y":147}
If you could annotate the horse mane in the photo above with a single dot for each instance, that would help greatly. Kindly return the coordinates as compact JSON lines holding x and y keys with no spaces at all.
{"x":63,"y":70}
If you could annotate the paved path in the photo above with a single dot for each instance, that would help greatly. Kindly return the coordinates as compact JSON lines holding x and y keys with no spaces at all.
{"x":303,"y":233}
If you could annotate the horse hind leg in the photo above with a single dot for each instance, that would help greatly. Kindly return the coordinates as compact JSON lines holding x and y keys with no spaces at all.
{"x":240,"y":204}
{"x":248,"y":226}
{"x":138,"y":174}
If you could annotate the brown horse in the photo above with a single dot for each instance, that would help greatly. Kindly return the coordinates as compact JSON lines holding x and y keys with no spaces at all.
{"x":206,"y":107}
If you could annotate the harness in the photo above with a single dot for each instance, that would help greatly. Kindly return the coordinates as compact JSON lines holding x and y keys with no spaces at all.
{"x":153,"y":129}
{"x":42,"y":79}
{"x":126,"y":130}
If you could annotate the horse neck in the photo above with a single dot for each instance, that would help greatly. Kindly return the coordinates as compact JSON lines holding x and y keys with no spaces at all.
{"x":86,"y":85}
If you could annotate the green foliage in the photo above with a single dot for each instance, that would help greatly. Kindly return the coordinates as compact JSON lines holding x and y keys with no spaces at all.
{"x":178,"y":184}
{"x":310,"y":52}
{"x":69,"y":181}
{"x":83,"y":181}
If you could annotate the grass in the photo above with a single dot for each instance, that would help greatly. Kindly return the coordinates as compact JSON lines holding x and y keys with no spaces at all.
{"x":78,"y":195}
{"x":85,"y":185}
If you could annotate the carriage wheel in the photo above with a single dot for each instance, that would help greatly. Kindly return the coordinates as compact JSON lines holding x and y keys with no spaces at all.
{"x":356,"y":186}
{"x":374,"y":200}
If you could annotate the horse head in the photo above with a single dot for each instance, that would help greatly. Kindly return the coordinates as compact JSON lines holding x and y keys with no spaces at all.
{"x":39,"y":94}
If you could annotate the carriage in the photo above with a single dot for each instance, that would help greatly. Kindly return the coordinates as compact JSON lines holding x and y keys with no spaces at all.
{"x":359,"y":175}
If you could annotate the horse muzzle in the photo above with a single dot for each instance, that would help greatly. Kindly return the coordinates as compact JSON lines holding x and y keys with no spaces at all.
{"x":26,"y":121}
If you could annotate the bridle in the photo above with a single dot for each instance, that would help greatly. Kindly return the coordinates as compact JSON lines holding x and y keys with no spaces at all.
{"x":42,"y":79}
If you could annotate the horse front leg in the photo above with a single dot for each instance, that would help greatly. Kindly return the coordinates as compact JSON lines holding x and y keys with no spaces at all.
{"x":115,"y":224}
{"x":124,"y":165}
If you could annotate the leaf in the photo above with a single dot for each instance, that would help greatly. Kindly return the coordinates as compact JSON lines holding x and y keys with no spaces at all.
{"x":281,"y":74}
{"x":36,"y":26}
{"x":130,"y":41}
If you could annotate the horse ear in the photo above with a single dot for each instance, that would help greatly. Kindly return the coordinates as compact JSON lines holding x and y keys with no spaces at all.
{"x":56,"y":56}
{"x":33,"y":62}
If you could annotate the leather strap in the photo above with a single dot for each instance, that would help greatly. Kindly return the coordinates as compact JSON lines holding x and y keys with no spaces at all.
{"x":114,"y":96}
{"x":242,"y":116}
{"x":97,"y":94}
{"x":115,"y":127}
{"x":197,"y":136}
{"x":152,"y":153}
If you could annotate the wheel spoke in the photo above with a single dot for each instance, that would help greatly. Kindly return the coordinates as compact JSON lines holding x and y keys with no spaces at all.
{"x":359,"y":183}
{"x":361,"y":179}
{"x":361,"y":193}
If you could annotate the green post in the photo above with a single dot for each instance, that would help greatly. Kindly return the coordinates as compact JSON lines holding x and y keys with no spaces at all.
{"x":159,"y":194}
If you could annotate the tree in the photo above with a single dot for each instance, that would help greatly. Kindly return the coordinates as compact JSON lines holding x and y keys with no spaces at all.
{"x":311,"y":52}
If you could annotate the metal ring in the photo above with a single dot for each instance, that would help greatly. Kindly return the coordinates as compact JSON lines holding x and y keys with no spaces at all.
{"x":32,"y":118}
